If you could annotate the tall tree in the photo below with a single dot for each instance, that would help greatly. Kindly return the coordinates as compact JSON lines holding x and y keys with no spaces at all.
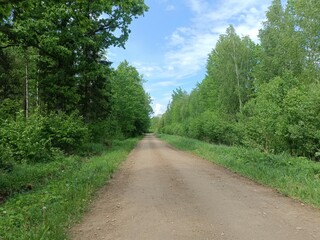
{"x":69,"y":36}
{"x":308,"y":22}
{"x":281,"y":44}
{"x":130,"y":103}
{"x":229,"y":68}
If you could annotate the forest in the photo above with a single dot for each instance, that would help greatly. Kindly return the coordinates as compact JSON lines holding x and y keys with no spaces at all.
{"x":67,"y":117}
{"x":58,"y":91}
{"x":262,"y":95}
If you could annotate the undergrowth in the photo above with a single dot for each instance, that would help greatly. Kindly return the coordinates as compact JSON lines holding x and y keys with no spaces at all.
{"x":57,"y":195}
{"x":296,"y":177}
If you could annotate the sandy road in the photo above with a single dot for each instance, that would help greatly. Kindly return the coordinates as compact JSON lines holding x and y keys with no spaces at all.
{"x":162,"y":193}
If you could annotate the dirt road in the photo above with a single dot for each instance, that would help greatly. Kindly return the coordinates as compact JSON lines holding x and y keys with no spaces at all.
{"x":162,"y":193}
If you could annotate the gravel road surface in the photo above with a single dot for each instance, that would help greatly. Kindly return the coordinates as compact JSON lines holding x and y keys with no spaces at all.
{"x":163,"y":193}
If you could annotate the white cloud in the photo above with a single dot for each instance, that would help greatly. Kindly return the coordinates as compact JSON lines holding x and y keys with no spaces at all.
{"x":158,"y":109}
{"x":170,"y":8}
{"x":188,"y":47}
{"x":165,"y":83}
{"x":197,"y":6}
{"x":176,"y":39}
{"x":147,"y":70}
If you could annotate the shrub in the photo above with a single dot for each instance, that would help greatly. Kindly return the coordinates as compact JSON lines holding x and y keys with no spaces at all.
{"x":302,"y":112}
{"x":38,"y":138}
{"x":8,"y":108}
{"x":66,"y":132}
{"x":6,"y":158}
{"x":24,"y":140}
{"x":195,"y":128}
{"x":105,"y":130}
{"x":212,"y":127}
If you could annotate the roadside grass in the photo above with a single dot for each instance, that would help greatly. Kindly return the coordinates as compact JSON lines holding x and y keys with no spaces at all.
{"x":295,"y":177}
{"x":60,"y":196}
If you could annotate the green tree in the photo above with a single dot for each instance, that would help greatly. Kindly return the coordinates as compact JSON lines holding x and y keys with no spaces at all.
{"x":130,"y":104}
{"x":281,"y":44}
{"x":264,"y":117}
{"x":229,"y":72}
{"x":263,"y":96}
{"x":70,"y":38}
{"x":308,"y":22}
{"x":302,"y":112}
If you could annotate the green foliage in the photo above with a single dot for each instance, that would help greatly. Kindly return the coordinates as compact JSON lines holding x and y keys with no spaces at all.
{"x":209,"y":112}
{"x":38,"y":138}
{"x":8,"y":108}
{"x":26,"y":139}
{"x":281,"y":45}
{"x":154,"y":124}
{"x":58,"y":94}
{"x":11,"y":80}
{"x":61,"y":192}
{"x":52,"y":61}
{"x":66,"y":132}
{"x":263,"y":117}
{"x":130,"y":103}
{"x":6,"y":158}
{"x":282,"y":118}
{"x":263,"y":96}
{"x":302,"y":125}
{"x":63,"y":47}
{"x":229,"y":69}
{"x":102,"y":130}
{"x":308,"y":21}
{"x":216,"y":129}
{"x":25,"y":177}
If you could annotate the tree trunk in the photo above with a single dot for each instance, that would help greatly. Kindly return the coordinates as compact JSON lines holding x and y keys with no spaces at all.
{"x":26,"y":99}
{"x":237,"y":75}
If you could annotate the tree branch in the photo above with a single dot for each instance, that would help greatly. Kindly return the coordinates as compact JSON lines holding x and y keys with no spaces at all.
{"x":9,"y":45}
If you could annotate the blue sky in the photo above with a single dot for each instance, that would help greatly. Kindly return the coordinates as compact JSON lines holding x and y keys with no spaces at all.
{"x":169,"y":46}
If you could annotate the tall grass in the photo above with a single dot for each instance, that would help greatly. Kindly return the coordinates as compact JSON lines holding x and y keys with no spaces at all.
{"x":296,"y":177}
{"x":48,"y":210}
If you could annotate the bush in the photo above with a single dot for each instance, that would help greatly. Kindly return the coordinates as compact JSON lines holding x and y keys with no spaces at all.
{"x":302,"y":113}
{"x":66,"y":132}
{"x":195,"y":128}
{"x":263,"y":117}
{"x":24,"y":140}
{"x":214,"y":128}
{"x":8,"y":108}
{"x":38,"y":138}
{"x":6,"y":158}
{"x":103,"y":131}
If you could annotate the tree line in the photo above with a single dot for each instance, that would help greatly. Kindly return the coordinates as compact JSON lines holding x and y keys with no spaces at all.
{"x":58,"y":90}
{"x":265,"y":95}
